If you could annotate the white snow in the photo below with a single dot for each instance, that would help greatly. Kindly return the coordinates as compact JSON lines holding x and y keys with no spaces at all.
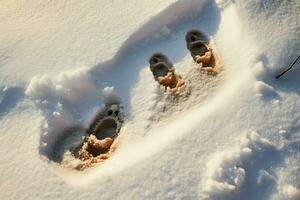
{"x":291,"y":192}
{"x":72,"y":87}
{"x":232,"y":174}
{"x":262,"y":89}
{"x":110,"y":96}
{"x":203,"y":147}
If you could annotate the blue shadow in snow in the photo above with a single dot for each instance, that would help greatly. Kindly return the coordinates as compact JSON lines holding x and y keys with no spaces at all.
{"x":9,"y":99}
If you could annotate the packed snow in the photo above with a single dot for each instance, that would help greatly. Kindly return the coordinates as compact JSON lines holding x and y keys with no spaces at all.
{"x":235,"y":136}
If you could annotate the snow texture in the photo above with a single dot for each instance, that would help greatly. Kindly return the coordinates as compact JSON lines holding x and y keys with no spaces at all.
{"x":202,"y":146}
{"x":234,"y":173}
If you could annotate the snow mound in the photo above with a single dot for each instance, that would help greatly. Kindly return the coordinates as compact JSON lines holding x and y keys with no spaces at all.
{"x":71,"y":87}
{"x":264,"y":90}
{"x":242,"y":170}
{"x":110,"y":96}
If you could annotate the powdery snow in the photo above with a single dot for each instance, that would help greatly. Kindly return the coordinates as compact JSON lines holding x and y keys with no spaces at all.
{"x":232,"y":174}
{"x":204,"y":147}
{"x":72,"y":87}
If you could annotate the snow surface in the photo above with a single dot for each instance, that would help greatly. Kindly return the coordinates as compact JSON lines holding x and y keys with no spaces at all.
{"x":236,"y":137}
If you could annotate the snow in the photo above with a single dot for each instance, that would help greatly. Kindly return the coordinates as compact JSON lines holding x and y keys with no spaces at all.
{"x":110,"y":96}
{"x":291,"y":192}
{"x":262,"y":90}
{"x":72,"y":87}
{"x":232,"y":174}
{"x":236,"y":136}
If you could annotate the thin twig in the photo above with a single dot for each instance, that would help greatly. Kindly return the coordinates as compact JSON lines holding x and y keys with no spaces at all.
{"x":288,"y":69}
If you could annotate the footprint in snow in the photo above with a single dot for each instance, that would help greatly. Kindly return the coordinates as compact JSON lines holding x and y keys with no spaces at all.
{"x":80,"y":130}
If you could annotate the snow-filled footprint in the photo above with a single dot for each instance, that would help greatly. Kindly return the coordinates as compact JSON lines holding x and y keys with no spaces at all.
{"x":202,"y":52}
{"x":180,"y":90}
{"x":78,"y":131}
{"x":100,"y":139}
{"x":164,"y":73}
